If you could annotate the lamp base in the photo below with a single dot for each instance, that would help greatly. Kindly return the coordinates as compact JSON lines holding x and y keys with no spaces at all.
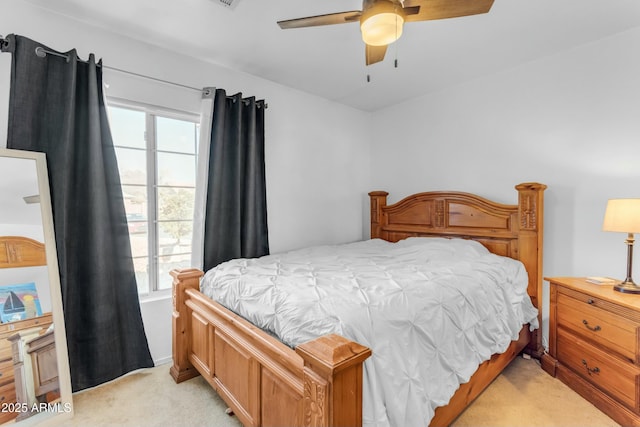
{"x":628,"y":287}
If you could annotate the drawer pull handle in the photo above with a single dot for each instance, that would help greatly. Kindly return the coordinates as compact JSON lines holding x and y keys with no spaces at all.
{"x":595,"y":370}
{"x":591,"y":328}
{"x":590,"y":301}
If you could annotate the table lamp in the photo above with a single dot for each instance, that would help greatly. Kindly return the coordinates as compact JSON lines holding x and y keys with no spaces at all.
{"x":623,"y":215}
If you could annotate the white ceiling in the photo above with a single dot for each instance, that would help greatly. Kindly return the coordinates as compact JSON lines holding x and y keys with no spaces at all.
{"x":329,"y":61}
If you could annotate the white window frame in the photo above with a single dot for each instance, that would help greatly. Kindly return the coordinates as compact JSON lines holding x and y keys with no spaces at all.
{"x":151,"y":112}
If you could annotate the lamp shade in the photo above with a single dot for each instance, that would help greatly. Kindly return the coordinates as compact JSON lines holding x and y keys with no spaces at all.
{"x":382,"y":23}
{"x":622,"y":215}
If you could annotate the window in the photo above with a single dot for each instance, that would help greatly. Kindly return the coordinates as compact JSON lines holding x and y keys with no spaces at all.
{"x":157,"y":157}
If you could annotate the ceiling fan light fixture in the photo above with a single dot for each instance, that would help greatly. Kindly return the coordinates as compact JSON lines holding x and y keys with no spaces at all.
{"x":382,"y":23}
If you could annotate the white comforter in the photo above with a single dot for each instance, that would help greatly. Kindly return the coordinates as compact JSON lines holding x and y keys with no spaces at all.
{"x":430,"y":309}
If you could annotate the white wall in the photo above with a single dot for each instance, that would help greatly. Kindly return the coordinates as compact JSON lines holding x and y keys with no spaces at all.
{"x":316,"y":150}
{"x":570,"y":121}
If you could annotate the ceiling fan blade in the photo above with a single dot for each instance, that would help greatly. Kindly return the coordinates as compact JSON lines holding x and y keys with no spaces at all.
{"x":329,"y":19}
{"x":374,"y":54}
{"x":443,"y":9}
{"x":411,"y":10}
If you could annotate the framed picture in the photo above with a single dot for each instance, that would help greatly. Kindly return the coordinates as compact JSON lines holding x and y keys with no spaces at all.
{"x":19,"y":302}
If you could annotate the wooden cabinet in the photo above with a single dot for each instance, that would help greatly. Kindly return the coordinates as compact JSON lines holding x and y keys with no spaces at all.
{"x":594,"y":345}
{"x":7,"y":376}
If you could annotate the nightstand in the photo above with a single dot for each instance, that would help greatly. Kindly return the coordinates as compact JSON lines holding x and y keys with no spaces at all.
{"x":594,"y":345}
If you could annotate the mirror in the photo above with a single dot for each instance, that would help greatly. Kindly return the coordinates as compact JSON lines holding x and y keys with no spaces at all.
{"x":35,"y":385}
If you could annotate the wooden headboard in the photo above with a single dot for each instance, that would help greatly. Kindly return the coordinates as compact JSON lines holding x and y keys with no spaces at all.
{"x":509,"y":230}
{"x":16,"y":251}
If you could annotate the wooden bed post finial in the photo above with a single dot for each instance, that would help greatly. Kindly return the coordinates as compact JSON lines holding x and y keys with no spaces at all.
{"x":332,"y":381}
{"x":530,"y":202}
{"x":182,"y":369}
{"x":378,"y":200}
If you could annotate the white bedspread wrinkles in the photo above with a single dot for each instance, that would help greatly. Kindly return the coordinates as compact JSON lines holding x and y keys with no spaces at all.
{"x":431,"y":310}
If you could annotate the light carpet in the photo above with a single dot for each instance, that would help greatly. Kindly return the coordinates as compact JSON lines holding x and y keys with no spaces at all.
{"x":523,"y":395}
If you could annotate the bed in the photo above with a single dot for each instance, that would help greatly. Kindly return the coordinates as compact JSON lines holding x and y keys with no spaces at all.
{"x":320,"y":383}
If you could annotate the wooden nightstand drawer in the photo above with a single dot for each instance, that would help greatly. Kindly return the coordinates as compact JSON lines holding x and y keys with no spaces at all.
{"x":606,"y":372}
{"x":585,"y":317}
{"x":7,"y":416}
{"x":6,"y":353}
{"x":6,"y":373}
{"x":7,"y":395}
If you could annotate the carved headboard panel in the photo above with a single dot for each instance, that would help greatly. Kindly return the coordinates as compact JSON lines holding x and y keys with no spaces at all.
{"x":16,"y":251}
{"x":509,"y":230}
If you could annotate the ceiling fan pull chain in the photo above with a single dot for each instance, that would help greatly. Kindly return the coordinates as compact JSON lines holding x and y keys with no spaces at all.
{"x":395,"y":62}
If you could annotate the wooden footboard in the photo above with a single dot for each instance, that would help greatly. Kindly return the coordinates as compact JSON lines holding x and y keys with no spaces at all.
{"x":262,"y":380}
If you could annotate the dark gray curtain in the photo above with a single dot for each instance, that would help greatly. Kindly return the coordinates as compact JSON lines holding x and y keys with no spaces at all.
{"x":235,"y":223}
{"x":57,"y":107}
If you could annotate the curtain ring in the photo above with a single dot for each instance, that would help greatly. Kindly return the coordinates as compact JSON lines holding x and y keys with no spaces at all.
{"x":42,"y":53}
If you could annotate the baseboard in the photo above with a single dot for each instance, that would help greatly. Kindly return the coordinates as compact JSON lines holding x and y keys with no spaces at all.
{"x":162,"y":361}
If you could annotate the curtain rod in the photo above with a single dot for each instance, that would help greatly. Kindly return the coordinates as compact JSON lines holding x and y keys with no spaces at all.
{"x":42,"y":52}
{"x":204,"y":91}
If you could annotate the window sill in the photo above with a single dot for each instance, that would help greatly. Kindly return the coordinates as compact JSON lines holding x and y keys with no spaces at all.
{"x":155,"y":296}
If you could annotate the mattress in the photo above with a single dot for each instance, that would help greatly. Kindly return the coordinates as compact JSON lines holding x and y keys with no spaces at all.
{"x":430,"y":309}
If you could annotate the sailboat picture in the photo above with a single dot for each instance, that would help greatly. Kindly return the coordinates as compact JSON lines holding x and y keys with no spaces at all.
{"x":19,"y":302}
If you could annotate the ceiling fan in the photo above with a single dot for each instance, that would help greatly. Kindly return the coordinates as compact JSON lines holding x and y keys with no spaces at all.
{"x":381,"y":21}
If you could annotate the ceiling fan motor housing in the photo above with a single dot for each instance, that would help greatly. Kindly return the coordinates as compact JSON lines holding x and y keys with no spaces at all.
{"x":381,"y":22}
